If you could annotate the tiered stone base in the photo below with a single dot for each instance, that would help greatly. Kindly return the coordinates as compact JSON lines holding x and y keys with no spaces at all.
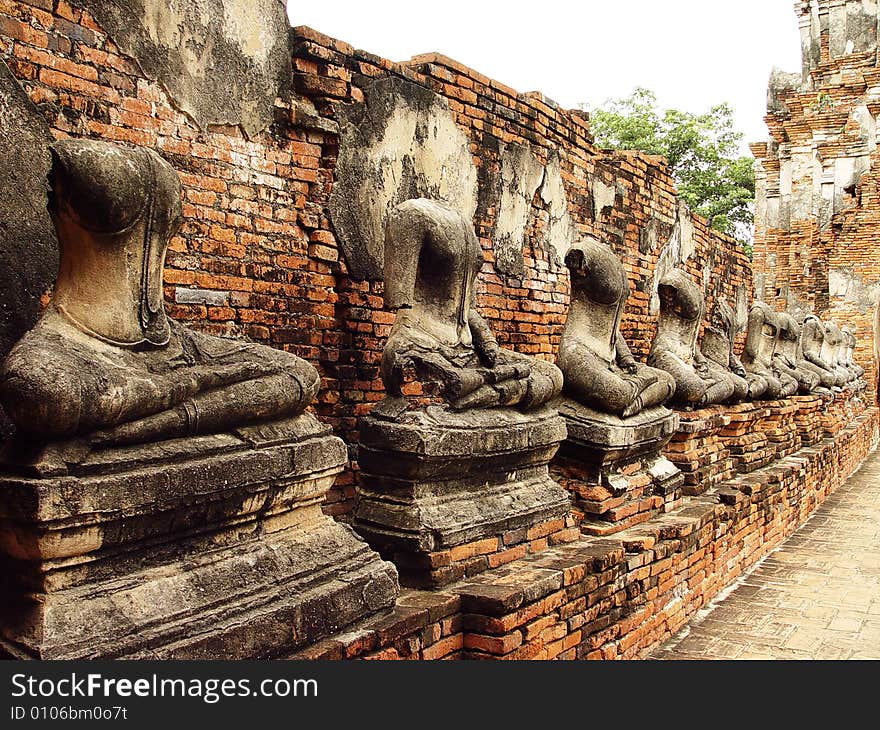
{"x":207,"y":547}
{"x":445,"y":495}
{"x":616,"y":598}
{"x":697,"y":450}
{"x":613,"y":467}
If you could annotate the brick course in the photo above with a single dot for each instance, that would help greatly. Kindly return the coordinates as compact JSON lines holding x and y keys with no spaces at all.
{"x":620,"y":597}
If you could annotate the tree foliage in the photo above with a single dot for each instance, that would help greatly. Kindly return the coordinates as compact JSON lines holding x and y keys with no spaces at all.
{"x":702,"y":150}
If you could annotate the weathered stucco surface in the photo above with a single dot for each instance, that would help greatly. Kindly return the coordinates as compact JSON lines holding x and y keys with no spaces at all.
{"x":521,"y":174}
{"x":676,"y":251}
{"x":28,"y":248}
{"x":221,"y":61}
{"x":400,"y":143}
{"x":561,"y":231}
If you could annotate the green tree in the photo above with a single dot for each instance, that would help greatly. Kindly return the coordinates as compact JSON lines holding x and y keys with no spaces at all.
{"x":702,"y":150}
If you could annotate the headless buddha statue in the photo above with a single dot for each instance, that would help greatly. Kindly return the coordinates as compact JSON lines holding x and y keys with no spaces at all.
{"x":832,"y":346}
{"x":849,"y":344}
{"x":104,"y":362}
{"x":757,"y":357}
{"x":432,"y":258}
{"x":789,"y":355}
{"x":674,"y":348}
{"x":599,"y":369}
{"x":717,"y":347}
{"x":813,"y":346}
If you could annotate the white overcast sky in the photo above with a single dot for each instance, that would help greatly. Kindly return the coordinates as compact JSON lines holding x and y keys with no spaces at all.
{"x":691,"y":53}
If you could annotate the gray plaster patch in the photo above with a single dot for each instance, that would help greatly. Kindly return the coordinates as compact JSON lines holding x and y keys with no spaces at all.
{"x":221,"y":61}
{"x":208,"y":297}
{"x":810,"y":46}
{"x":521,"y":174}
{"x":678,"y":249}
{"x":847,"y":286}
{"x":861,"y":26}
{"x":685,"y":226}
{"x":401,"y":142}
{"x":561,"y":231}
{"x":654,"y":231}
{"x":741,"y":312}
{"x":780,"y":83}
{"x":759,"y":282}
{"x":707,"y":272}
{"x":603,"y":197}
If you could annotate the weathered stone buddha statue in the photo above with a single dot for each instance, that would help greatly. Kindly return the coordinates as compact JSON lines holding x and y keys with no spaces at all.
{"x":813,"y":345}
{"x":760,"y":345}
{"x":612,"y":405}
{"x":789,"y":355}
{"x":674,"y":348}
{"x":431,"y":265}
{"x":717,"y":348}
{"x":849,"y":344}
{"x":163,"y":496}
{"x":104,"y":362}
{"x":458,"y":450}
{"x":599,"y":369}
{"x":831,"y":351}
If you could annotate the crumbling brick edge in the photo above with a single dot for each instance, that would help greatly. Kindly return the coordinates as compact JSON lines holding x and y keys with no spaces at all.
{"x":604,"y":598}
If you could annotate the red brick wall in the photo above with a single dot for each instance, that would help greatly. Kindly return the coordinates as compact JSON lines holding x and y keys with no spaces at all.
{"x":618,"y":597}
{"x":829,"y":262}
{"x":257,"y":256}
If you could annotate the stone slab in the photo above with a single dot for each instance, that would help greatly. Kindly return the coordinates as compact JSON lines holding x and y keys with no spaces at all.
{"x":433,"y":479}
{"x":210,"y":547}
{"x":601,"y":443}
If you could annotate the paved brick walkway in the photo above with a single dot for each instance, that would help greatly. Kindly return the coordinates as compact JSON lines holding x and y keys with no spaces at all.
{"x":815,"y":597}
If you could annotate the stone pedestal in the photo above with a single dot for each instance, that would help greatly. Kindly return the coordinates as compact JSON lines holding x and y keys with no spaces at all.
{"x":840,"y":412}
{"x":205,"y":547}
{"x":446,"y":494}
{"x":698,"y":451}
{"x":613,"y":467}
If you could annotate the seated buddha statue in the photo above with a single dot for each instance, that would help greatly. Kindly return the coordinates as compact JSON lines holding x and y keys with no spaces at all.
{"x":717,"y":347}
{"x":789,"y":354}
{"x":432,"y":258}
{"x":814,"y":349}
{"x":849,"y":344}
{"x":674,"y":348}
{"x":757,"y":357}
{"x":599,"y":369}
{"x":831,"y":351}
{"x":104,"y":362}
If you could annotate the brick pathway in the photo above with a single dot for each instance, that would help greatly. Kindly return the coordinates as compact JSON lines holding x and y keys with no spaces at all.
{"x":816,"y":597}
